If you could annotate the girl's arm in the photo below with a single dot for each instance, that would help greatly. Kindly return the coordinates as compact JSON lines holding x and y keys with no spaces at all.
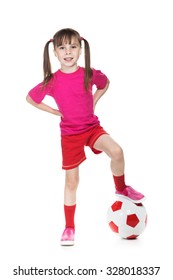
{"x":99,"y":93}
{"x":44,"y":107}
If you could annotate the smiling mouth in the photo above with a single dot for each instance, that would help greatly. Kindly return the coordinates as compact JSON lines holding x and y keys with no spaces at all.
{"x":68,"y":59}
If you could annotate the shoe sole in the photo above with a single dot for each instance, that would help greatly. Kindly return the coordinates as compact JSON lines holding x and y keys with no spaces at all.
{"x":132,"y":200}
{"x":67,"y":243}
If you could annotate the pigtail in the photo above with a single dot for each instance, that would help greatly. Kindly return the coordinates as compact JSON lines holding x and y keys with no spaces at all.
{"x":47,"y":70}
{"x":88,"y":70}
{"x":57,"y":40}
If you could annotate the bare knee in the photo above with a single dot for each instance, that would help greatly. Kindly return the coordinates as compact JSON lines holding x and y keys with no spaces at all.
{"x":116,"y":153}
{"x":72,"y":182}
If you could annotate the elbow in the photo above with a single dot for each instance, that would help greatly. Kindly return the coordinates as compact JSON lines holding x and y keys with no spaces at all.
{"x":29,"y":99}
{"x":107,"y":84}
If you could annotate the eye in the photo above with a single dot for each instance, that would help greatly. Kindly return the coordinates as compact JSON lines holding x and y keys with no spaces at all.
{"x":61,"y":48}
{"x":73,"y":46}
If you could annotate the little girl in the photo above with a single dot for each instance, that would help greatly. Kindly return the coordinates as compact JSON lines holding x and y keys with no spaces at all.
{"x":71,"y":88}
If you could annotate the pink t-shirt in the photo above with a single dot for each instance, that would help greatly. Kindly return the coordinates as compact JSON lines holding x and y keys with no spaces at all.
{"x":73,"y":101}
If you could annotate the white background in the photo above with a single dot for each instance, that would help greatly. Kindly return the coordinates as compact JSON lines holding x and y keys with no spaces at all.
{"x":132,"y":43}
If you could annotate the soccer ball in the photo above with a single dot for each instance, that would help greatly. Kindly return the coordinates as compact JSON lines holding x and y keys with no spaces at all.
{"x":126,"y":218}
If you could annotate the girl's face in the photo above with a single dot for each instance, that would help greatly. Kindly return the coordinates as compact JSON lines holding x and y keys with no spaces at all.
{"x":68,"y":55}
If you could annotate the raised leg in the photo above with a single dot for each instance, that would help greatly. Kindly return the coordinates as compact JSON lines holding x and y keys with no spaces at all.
{"x":106,"y":144}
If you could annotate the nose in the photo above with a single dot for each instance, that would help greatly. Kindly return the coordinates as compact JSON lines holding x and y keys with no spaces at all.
{"x":67,"y":51}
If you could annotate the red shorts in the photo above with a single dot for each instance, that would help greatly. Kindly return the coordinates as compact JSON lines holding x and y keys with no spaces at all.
{"x":72,"y":146}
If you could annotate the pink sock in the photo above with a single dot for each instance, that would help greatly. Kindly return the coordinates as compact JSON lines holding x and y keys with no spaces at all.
{"x":69,"y":215}
{"x":119,"y":182}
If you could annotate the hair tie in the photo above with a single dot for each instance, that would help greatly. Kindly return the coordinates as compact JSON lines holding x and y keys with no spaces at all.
{"x":82,"y":38}
{"x":51,"y":40}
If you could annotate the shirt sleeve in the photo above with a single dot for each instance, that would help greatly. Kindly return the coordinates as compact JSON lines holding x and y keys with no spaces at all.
{"x":99,"y":79}
{"x":38,"y":93}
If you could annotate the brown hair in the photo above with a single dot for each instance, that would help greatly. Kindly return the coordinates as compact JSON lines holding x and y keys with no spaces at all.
{"x":66,"y":35}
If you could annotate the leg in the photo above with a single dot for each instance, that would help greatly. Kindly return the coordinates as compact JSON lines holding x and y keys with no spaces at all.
{"x":106,"y":144}
{"x":71,"y":183}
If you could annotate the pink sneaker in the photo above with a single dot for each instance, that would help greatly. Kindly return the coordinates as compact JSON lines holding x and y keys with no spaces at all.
{"x":131,"y":194}
{"x":67,"y":238}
